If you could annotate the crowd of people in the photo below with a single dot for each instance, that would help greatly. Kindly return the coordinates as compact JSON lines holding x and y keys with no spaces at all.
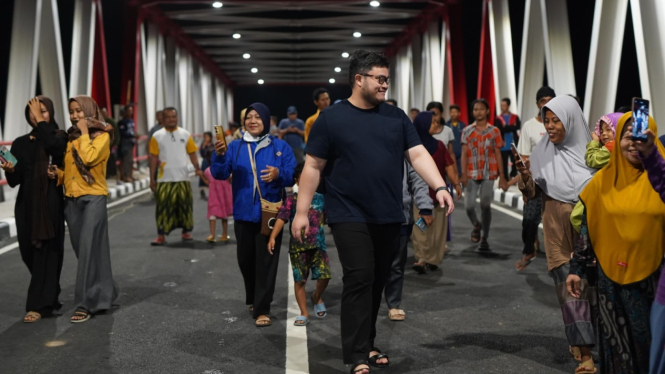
{"x":599,"y":193}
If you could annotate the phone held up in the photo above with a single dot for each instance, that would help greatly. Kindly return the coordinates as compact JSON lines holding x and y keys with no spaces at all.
{"x":219,"y":134}
{"x":6,"y":156}
{"x":640,"y":118}
{"x":517,"y":154}
{"x":422,"y":225}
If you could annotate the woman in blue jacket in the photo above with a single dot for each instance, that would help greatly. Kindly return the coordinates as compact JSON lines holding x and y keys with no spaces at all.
{"x":275,"y":165}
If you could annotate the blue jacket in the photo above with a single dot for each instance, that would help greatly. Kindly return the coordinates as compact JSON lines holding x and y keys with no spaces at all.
{"x":271,"y":151}
{"x":457,"y":143}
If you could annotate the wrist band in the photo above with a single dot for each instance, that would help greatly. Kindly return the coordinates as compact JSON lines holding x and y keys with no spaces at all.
{"x":444,"y":188}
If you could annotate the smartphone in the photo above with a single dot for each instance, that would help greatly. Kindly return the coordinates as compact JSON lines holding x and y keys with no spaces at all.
{"x":422,"y":225}
{"x":6,"y":156}
{"x":219,"y":134}
{"x":640,"y":118}
{"x":514,"y":148}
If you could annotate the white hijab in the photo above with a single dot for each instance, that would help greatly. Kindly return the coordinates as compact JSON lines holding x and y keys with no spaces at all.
{"x":560,"y":170}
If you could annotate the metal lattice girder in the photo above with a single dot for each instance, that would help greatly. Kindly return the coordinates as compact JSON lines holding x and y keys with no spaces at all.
{"x":604,"y":58}
{"x":502,"y":51}
{"x":649,"y":24}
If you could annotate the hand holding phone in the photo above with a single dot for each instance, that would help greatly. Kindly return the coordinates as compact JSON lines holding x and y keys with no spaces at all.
{"x":421,"y":224}
{"x":640,"y":119}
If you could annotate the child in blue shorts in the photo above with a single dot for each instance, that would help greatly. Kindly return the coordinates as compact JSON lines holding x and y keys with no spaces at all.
{"x":310,"y":255}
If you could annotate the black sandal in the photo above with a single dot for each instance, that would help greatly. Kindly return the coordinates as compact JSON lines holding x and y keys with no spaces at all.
{"x":86,"y":315}
{"x":475,"y":233}
{"x":356,"y":370}
{"x":373,"y":359}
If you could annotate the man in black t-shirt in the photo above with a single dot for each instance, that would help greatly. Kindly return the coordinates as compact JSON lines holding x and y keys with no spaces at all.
{"x":359,"y":146}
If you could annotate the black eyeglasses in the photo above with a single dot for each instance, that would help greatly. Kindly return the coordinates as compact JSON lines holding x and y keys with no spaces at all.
{"x":381,"y":78}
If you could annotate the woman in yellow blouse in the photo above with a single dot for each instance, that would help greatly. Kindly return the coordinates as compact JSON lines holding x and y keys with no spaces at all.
{"x":86,"y":192}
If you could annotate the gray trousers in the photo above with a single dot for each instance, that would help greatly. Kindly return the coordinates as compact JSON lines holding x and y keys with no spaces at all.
{"x":395,"y":282}
{"x":87,"y":221}
{"x":486,"y":190}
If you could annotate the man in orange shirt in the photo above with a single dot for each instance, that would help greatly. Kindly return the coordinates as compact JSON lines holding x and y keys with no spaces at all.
{"x":322,"y":101}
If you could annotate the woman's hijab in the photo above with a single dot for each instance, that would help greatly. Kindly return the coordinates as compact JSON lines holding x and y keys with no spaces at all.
{"x":264,"y":113}
{"x":560,"y":170}
{"x":48,"y":103}
{"x":625,"y":216}
{"x":91,"y":110}
{"x":422,"y":123}
{"x":611,"y":120}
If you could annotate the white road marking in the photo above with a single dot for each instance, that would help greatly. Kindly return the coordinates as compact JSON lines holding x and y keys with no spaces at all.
{"x":510,"y":213}
{"x":297,"y":355}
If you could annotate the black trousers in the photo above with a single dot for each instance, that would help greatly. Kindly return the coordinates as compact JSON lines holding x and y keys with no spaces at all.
{"x":258,"y":267}
{"x":505,"y":156}
{"x":395,"y":281}
{"x":366,"y":254}
{"x":530,"y":221}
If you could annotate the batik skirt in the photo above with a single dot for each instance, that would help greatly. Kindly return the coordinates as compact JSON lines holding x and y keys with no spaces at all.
{"x":175,"y":206}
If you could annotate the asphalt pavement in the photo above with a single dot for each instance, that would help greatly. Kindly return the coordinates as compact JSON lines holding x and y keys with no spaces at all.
{"x":181,"y":310}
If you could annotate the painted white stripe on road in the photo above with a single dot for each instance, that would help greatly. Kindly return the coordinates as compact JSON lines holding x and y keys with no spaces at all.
{"x":297,"y":355}
{"x":510,"y":213}
{"x":8,"y":248}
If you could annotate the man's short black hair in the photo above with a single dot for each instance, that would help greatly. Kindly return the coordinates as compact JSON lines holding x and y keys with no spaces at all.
{"x":435,"y":104}
{"x":318,"y":92}
{"x":454,"y":106}
{"x":170,"y":108}
{"x":363,"y":61}
{"x":480,"y":101}
{"x":415,"y":110}
{"x":298,"y":171}
{"x":624,"y":109}
{"x":393,"y":101}
{"x":506,"y":100}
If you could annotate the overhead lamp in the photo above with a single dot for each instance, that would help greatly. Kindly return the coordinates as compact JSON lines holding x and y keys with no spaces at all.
{"x":345,"y":54}
{"x":374,"y":3}
{"x":338,"y":69}
{"x":217,"y":4}
{"x":261,"y":81}
{"x":237,"y":36}
{"x":331,"y":80}
{"x":357,"y":34}
{"x":246,"y":56}
{"x":255,"y":70}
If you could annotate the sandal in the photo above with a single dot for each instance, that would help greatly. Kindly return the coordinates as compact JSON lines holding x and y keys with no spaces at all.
{"x":158,"y":242}
{"x":223,"y":239}
{"x":356,"y":370}
{"x":586,"y":367}
{"x":251,"y":309}
{"x":187,"y":237}
{"x":319,"y":308}
{"x":263,"y":322}
{"x":475,"y":233}
{"x":32,"y":317}
{"x":373,"y":359}
{"x":523,"y":263}
{"x":301,"y":321}
{"x":84,"y":314}
{"x":419,"y":267}
{"x":396,"y":315}
{"x":431,"y":267}
{"x":210,"y":239}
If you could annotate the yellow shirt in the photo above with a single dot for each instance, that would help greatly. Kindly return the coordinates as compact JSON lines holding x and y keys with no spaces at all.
{"x":308,"y":124}
{"x":94,"y":155}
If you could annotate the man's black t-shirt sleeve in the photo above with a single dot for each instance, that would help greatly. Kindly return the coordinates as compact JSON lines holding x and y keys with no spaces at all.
{"x":318,"y":142}
{"x":411,"y":138}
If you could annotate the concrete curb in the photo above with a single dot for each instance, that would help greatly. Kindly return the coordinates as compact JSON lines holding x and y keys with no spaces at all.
{"x":8,"y":225}
{"x":512,"y":199}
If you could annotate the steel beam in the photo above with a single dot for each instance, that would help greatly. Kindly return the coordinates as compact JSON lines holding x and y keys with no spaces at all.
{"x":51,"y":63}
{"x":609,"y":23}
{"x":502,"y":51}
{"x":532,"y":62}
{"x":558,"y":51}
{"x":83,"y":47}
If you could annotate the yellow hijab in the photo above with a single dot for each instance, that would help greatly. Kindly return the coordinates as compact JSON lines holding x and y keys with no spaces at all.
{"x":625,"y":216}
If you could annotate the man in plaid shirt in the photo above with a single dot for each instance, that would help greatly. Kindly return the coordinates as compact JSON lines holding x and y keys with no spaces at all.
{"x":481,"y":166}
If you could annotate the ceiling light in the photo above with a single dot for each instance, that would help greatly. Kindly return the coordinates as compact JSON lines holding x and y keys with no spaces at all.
{"x":217,"y":4}
{"x":374,"y":3}
{"x":357,"y":34}
{"x":236,"y":36}
{"x":246,"y":56}
{"x":345,"y":55}
{"x":331,"y":80}
{"x":255,"y":70}
{"x":338,"y":69}
{"x":261,"y":81}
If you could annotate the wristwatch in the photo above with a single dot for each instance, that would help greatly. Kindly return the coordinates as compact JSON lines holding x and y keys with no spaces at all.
{"x":444,"y":188}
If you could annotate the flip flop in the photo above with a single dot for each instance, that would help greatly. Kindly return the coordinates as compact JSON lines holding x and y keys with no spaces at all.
{"x":158,"y":242}
{"x":210,"y":239}
{"x":81,"y":313}
{"x":586,"y":367}
{"x":522,"y":264}
{"x":301,"y":318}
{"x":373,"y":359}
{"x":575,"y":352}
{"x":187,"y":237}
{"x":260,"y":322}
{"x":320,"y":308}
{"x":397,"y":315}
{"x":34,"y":315}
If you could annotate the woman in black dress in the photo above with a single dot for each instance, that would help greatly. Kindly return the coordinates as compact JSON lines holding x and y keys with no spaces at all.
{"x":39,"y":208}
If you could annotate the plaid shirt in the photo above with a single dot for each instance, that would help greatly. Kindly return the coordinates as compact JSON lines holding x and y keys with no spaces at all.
{"x":482,"y":163}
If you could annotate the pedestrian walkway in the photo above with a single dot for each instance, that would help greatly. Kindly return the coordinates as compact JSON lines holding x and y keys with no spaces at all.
{"x":181,"y":311}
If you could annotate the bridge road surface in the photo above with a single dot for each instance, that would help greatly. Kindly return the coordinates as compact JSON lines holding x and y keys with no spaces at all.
{"x":181,"y":310}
